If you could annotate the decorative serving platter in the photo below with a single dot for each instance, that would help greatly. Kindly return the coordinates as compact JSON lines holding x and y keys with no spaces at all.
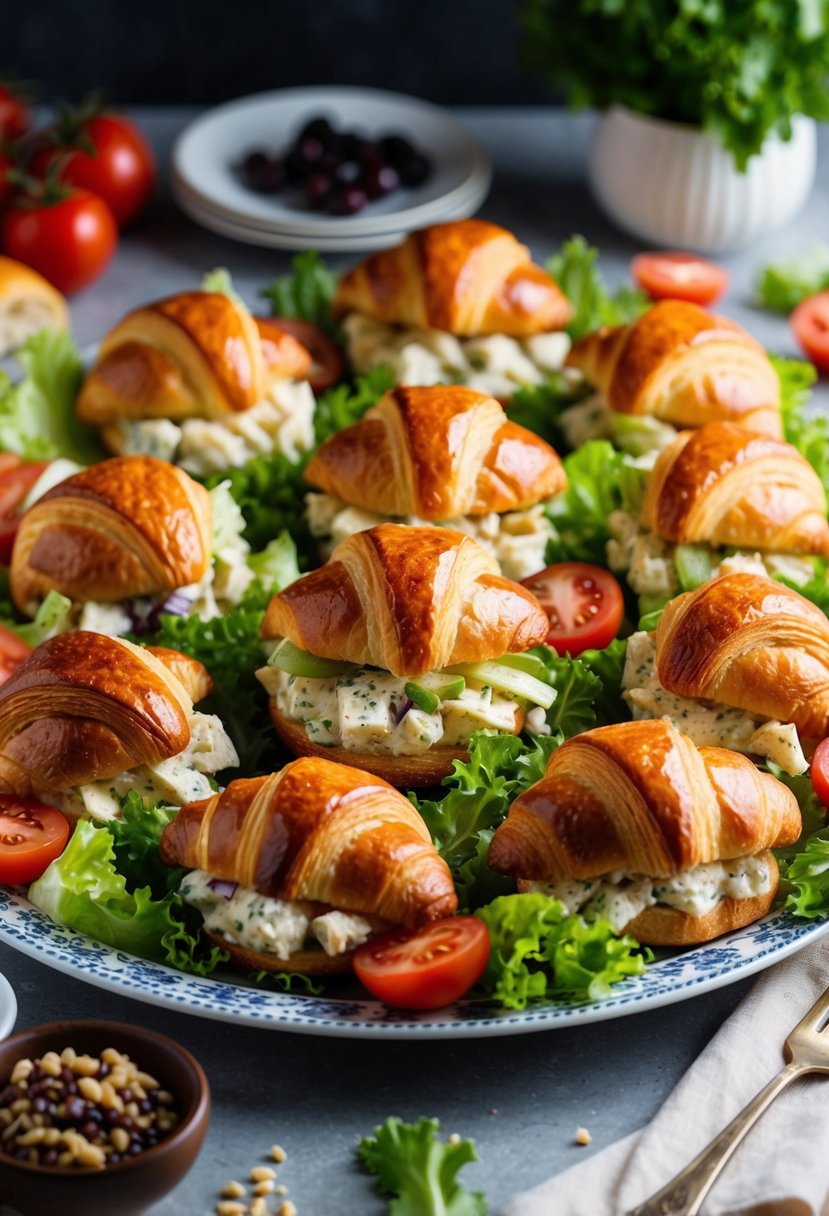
{"x":226,"y":998}
{"x":8,"y":1007}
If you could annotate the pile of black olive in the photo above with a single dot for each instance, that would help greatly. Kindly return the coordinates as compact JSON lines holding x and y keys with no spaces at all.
{"x":338,"y":172}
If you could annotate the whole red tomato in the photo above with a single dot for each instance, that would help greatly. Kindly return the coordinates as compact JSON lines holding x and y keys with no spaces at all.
{"x":6,"y":162}
{"x":103,"y":153}
{"x":14,"y":113}
{"x":68,"y":235}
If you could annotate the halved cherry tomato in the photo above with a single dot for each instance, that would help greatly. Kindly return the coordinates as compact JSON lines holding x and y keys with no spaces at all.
{"x":810,"y":322}
{"x":679,"y":276}
{"x":820,"y":772}
{"x":31,"y":836}
{"x":16,"y":481}
{"x":426,"y":968}
{"x":13,"y":650}
{"x":584,"y":603}
{"x":328,"y":361}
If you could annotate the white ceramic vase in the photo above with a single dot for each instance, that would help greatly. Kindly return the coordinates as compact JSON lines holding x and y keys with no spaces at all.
{"x":674,"y":185}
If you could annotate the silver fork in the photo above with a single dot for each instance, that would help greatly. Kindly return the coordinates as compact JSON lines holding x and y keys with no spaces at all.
{"x":807,"y":1050}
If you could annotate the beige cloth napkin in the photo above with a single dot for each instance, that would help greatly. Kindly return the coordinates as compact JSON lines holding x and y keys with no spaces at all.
{"x":781,"y":1169}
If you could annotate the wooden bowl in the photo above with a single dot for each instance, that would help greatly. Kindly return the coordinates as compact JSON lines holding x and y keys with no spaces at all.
{"x":129,"y":1187}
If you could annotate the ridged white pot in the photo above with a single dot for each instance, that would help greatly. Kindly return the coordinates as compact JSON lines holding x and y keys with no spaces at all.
{"x":674,"y":185}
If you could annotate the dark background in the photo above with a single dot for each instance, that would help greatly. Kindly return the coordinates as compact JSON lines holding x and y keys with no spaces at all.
{"x":448,"y":51}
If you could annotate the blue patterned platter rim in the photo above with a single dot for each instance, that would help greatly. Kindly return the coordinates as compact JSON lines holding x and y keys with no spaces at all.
{"x":8,"y":1007}
{"x":691,"y":973}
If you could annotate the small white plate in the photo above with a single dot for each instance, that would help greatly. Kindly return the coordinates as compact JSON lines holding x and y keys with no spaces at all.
{"x":251,"y":235}
{"x":208,"y":149}
{"x":8,"y":1007}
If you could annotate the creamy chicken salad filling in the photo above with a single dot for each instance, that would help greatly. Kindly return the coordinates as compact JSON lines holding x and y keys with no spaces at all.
{"x":592,"y":418}
{"x":706,"y":723}
{"x":369,"y":710}
{"x":284,"y":422}
{"x":180,"y":779}
{"x":649,"y":563}
{"x":620,"y":897}
{"x":516,"y":539}
{"x":271,"y":926}
{"x":496,"y":364}
{"x":223,"y":585}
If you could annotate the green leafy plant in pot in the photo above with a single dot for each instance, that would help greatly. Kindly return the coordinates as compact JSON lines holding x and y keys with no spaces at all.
{"x":707,"y":137}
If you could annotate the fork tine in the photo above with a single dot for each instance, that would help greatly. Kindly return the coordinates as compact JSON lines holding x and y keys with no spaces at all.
{"x":814,"y":1017}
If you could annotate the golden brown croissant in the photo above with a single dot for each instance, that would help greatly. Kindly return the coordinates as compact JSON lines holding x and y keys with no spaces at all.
{"x":132,"y":525}
{"x":750,"y":642}
{"x":468,"y":277}
{"x":726,"y":486}
{"x":409,"y":600}
{"x":28,"y":303}
{"x":437,"y":453}
{"x":319,"y":833}
{"x":685,"y":366}
{"x":84,"y":707}
{"x":640,"y":798}
{"x":198,"y":354}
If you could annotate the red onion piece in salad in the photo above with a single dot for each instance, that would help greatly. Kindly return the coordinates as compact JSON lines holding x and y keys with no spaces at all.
{"x":222,"y":887}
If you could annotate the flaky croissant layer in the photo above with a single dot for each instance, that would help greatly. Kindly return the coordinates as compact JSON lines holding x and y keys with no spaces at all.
{"x":436,"y":453}
{"x":725,"y":486}
{"x":408,"y":600}
{"x":84,"y":707}
{"x":468,"y":277}
{"x":129,"y":526}
{"x":320,"y":832}
{"x":640,"y":797}
{"x":750,"y":642}
{"x":683,"y":365}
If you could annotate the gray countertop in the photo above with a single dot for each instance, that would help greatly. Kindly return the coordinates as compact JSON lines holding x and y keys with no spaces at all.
{"x":521,"y":1098}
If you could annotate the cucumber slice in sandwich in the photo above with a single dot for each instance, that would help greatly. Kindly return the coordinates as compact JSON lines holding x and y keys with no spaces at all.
{"x":297,"y":662}
{"x":510,"y":680}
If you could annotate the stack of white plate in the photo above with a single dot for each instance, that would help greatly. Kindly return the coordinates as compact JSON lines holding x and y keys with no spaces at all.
{"x":208,"y":187}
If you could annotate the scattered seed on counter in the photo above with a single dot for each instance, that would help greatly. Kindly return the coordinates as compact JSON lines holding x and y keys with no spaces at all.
{"x":281,"y":1190}
{"x":79,"y":1111}
{"x":265,"y":1187}
{"x":262,"y":1173}
{"x":583,"y":1136}
{"x":286,"y":1209}
{"x":258,"y":1207}
{"x":233,"y":1190}
{"x":454,"y":1138}
{"x":231,"y":1207}
{"x":278,"y":1154}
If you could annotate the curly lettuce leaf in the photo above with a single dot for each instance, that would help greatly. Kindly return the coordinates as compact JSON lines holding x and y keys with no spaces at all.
{"x":577,"y":690}
{"x":421,"y":1171}
{"x":804,"y":865}
{"x":579,"y":515}
{"x":231,"y":650}
{"x":462,"y":823}
{"x":539,"y":407}
{"x":276,"y":565}
{"x":576,"y":270}
{"x":37,"y":413}
{"x":307,"y":292}
{"x":270,"y":490}
{"x":345,"y":404}
{"x":220,"y":281}
{"x":84,"y":889}
{"x":784,"y":285}
{"x":537,"y":950}
{"x":607,"y":666}
{"x":806,"y":430}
